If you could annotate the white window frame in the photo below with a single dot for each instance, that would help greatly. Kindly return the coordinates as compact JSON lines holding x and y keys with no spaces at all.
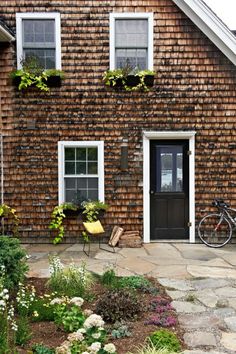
{"x":61,"y":166}
{"x":137,"y":16}
{"x":20,"y":16}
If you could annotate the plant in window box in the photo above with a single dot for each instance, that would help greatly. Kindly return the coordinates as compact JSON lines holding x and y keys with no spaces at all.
{"x":10,"y":213}
{"x":139,"y":80}
{"x":33,"y":74}
{"x":114,"y":78}
{"x":58,"y":215}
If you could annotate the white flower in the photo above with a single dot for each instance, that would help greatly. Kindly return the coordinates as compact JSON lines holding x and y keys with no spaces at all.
{"x":78,"y":301}
{"x":81,"y":330}
{"x":93,"y":321}
{"x":94,"y":347}
{"x":57,"y":301}
{"x":110,"y":348}
{"x":76,"y":336}
{"x":96,"y":335}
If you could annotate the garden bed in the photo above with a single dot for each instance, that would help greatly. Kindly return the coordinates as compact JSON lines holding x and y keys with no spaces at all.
{"x":50,"y":335}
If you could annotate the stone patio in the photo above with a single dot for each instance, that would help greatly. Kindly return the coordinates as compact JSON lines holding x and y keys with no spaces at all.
{"x":200,"y":280}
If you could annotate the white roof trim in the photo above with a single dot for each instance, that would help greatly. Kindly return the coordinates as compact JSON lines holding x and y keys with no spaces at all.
{"x":5,"y":36}
{"x":210,"y":25}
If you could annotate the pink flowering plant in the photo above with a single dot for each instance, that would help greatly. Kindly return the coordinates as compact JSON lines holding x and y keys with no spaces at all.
{"x":163,"y":313}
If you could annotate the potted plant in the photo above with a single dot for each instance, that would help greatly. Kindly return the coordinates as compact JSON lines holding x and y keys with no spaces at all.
{"x":129,"y":79}
{"x":33,"y":74}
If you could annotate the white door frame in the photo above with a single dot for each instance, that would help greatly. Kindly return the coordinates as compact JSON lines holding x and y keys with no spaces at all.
{"x":167,"y":135}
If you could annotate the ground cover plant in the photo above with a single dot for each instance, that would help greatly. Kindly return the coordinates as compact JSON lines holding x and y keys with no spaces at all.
{"x":88,"y":314}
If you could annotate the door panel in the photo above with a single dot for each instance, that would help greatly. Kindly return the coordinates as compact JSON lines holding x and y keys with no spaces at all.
{"x":169,"y":194}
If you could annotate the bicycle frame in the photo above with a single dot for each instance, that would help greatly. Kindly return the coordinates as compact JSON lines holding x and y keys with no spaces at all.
{"x":225,"y":212}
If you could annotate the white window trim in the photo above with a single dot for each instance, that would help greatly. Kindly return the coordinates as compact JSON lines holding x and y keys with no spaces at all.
{"x":131,"y":15}
{"x":61,"y":150}
{"x":160,"y":135}
{"x":20,"y":16}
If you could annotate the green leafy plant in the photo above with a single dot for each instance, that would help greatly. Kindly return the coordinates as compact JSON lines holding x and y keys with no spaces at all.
{"x":109,"y":278}
{"x":120,"y":330}
{"x":13,"y":260}
{"x":10,"y":213}
{"x":69,"y":281}
{"x":122,"y":77}
{"x":33,"y":74}
{"x":165,"y":339}
{"x":150,"y":349}
{"x":134,"y":282}
{"x":58,"y":215}
{"x":41,"y":309}
{"x":71,"y":318}
{"x":42,"y":349}
{"x":118,"y":304}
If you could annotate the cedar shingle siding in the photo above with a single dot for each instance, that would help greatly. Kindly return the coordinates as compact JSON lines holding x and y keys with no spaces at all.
{"x":194,"y":90}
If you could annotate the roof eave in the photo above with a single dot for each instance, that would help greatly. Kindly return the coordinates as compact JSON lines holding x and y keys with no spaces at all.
{"x":5,"y":36}
{"x":210,"y":25}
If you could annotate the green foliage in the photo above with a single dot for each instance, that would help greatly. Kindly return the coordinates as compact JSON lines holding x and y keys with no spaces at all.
{"x":109,"y":278}
{"x":42,"y":349}
{"x":33,"y":74}
{"x":41,"y":309}
{"x":113,"y":77}
{"x":150,"y":349}
{"x":13,"y":260}
{"x":134,"y":282}
{"x":10,"y":213}
{"x":58,"y":216}
{"x":69,"y":281}
{"x":120,"y":330}
{"x":92,"y":209}
{"x":23,"y":333}
{"x":71,"y":318}
{"x":118,"y":304}
{"x":165,"y":339}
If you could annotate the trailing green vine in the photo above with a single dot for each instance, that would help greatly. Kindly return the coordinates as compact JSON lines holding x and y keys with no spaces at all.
{"x":5,"y":212}
{"x":58,"y":216}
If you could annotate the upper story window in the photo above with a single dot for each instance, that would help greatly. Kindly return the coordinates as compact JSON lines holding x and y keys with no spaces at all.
{"x":131,"y":40}
{"x":38,"y":35}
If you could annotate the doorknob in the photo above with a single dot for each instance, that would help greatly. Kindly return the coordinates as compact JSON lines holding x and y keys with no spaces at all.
{"x":151,"y":192}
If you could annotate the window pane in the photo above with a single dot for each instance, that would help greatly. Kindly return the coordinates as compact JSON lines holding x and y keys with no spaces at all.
{"x":92,"y":154}
{"x":69,"y":168}
{"x":92,"y":168}
{"x":132,"y":58}
{"x":82,"y":183}
{"x":70,"y":154}
{"x":80,"y":168}
{"x":46,"y":57}
{"x":166,"y":172}
{"x":131,"y":33}
{"x":42,"y":32}
{"x":70,"y":183}
{"x":70,"y":196}
{"x":81,"y":154}
{"x":93,"y":194}
{"x":93,"y":183}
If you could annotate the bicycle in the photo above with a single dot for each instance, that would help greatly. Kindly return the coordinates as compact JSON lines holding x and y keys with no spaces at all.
{"x":216,"y":229}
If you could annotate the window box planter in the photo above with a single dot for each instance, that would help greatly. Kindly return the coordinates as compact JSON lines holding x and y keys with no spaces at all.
{"x":136,"y":80}
{"x":53,"y":81}
{"x":133,"y":80}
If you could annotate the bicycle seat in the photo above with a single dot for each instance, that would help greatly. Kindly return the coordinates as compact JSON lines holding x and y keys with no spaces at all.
{"x":220,"y":203}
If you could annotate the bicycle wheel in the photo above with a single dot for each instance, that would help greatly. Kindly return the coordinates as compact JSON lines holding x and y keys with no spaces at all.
{"x":214,"y":230}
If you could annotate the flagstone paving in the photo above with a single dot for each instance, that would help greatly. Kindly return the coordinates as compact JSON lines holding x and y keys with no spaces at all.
{"x":200,"y":280}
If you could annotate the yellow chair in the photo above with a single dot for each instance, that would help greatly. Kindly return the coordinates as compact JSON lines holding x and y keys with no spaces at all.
{"x":94,"y":228}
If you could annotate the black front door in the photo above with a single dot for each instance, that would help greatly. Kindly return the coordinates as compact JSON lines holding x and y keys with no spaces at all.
{"x":169,"y":189}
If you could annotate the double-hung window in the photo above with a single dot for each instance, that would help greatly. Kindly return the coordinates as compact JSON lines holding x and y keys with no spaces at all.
{"x":81,"y":171}
{"x":38,"y":35}
{"x":131,"y":40}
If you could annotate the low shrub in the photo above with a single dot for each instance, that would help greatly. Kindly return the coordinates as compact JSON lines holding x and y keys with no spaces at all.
{"x":42,"y":349}
{"x":12,"y":261}
{"x":120,"y":330}
{"x":150,"y":349}
{"x":109,"y":278}
{"x":41,"y":309}
{"x":68,"y":313}
{"x":118,"y":304}
{"x":134,"y":282}
{"x":165,"y":339}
